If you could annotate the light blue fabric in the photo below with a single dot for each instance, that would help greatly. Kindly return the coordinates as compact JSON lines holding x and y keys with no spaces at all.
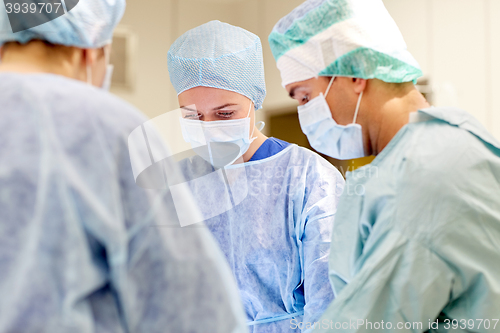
{"x":219,"y":55}
{"x":277,"y":238}
{"x":417,"y":232}
{"x":87,"y":24}
{"x":82,"y":247}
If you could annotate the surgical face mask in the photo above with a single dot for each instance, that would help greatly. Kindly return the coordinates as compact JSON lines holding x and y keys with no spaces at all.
{"x":220,"y":142}
{"x":325,"y":135}
{"x":106,"y":83}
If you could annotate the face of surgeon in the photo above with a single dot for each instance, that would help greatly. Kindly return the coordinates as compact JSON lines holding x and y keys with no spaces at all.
{"x":383,"y":110}
{"x":342,"y":96}
{"x":214,"y":104}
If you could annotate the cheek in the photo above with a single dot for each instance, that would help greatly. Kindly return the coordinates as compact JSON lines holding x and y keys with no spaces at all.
{"x":315,"y":93}
{"x":343,"y":112}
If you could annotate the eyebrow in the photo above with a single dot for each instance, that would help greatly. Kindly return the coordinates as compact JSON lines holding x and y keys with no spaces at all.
{"x":224,"y":106}
{"x":214,"y":109}
{"x":188,"y":109}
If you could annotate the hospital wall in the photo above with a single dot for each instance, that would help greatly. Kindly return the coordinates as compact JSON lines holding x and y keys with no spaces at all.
{"x":456,"y":42}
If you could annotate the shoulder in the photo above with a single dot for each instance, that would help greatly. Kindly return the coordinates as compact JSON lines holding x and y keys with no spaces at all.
{"x":315,"y":168}
{"x":440,"y":149}
{"x":314,"y":158}
{"x":445,"y":172}
{"x":66,"y":97}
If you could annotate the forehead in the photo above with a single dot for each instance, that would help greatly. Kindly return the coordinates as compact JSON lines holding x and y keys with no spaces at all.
{"x":302,"y":84}
{"x":210,"y":97}
{"x":308,"y":85}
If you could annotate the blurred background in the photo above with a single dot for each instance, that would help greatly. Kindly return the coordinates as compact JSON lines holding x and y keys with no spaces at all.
{"x":456,"y":42}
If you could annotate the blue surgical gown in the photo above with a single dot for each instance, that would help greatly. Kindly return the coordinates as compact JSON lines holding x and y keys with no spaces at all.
{"x":82,"y":247}
{"x":269,"y":148}
{"x":273,"y":221}
{"x":417,"y":232}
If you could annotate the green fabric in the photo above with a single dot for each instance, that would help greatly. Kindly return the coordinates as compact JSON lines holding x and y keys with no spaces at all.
{"x":417,"y":232}
{"x":313,"y":23}
{"x":377,"y":56}
{"x":367,"y":64}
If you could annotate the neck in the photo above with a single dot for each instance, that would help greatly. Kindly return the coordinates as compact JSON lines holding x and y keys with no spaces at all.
{"x":255,"y":145}
{"x":394,"y":107}
{"x":37,"y":57}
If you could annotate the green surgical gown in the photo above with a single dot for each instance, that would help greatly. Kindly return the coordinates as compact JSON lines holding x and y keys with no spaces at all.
{"x":417,"y":233}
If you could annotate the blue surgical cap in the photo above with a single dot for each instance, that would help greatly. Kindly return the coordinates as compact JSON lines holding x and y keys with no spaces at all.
{"x":82,"y":24}
{"x":351,"y":38}
{"x":219,"y":55}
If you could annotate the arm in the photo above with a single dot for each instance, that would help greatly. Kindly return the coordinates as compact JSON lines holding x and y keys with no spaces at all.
{"x":171,"y":279}
{"x":317,"y":289}
{"x":384,"y":264}
{"x":323,"y":192}
{"x":422,"y":239}
{"x":400,"y":282}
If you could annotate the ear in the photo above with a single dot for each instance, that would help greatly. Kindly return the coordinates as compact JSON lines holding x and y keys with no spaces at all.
{"x":1,"y":52}
{"x":359,"y":85}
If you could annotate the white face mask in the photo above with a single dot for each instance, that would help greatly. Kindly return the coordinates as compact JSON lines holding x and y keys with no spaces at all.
{"x":220,"y":142}
{"x":325,"y":135}
{"x":106,"y":83}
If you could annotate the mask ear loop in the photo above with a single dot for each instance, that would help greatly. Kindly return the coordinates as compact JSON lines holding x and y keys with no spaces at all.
{"x":252,"y":138}
{"x":89,"y":69}
{"x":357,"y":108}
{"x":329,"y":86}
{"x":261,"y":125}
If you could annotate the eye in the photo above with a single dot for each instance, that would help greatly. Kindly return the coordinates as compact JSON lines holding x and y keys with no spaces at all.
{"x":225,"y":114}
{"x":192,"y":115}
{"x":304,"y":99}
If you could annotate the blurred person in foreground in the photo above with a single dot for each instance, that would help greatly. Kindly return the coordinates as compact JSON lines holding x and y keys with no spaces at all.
{"x":82,"y":247}
{"x":416,"y":236}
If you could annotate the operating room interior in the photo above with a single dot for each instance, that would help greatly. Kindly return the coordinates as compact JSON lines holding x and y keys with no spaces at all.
{"x":166,"y":166}
{"x":456,"y":43}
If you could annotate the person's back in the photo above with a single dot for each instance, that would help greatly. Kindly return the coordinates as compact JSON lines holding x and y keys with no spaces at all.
{"x":82,"y":247}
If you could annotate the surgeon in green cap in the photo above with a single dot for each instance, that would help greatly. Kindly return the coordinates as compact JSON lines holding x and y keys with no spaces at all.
{"x":416,"y":238}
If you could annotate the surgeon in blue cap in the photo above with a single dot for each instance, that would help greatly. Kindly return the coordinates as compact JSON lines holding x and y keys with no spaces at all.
{"x":270,"y":204}
{"x":415,"y":242}
{"x":82,"y":247}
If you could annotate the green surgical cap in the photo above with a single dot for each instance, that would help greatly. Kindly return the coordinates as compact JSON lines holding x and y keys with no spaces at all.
{"x":352,"y":38}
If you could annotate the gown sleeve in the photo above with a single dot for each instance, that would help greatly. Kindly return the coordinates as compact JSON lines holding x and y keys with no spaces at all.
{"x":322,"y":194}
{"x":400,"y":285}
{"x":171,"y":278}
{"x":421,"y":243}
